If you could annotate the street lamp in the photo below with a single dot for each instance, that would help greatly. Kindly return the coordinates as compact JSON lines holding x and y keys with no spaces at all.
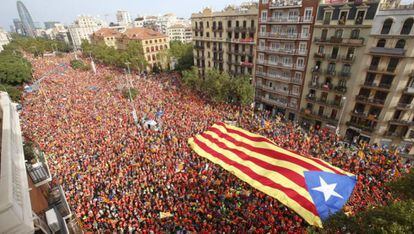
{"x":344,"y":100}
{"x":134,"y":112}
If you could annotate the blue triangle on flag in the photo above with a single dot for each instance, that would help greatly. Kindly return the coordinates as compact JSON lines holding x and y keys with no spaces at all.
{"x":329,"y":191}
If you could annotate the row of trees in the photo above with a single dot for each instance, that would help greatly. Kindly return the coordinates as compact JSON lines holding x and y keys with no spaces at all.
{"x":37,"y":46}
{"x":102,"y":53}
{"x":183,"y":53}
{"x":220,"y":86}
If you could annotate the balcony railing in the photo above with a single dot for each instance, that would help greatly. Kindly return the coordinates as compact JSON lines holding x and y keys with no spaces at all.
{"x":348,"y":59}
{"x":330,"y":72}
{"x":363,"y":126}
{"x":387,"y":51}
{"x":345,"y":74}
{"x":243,"y":41}
{"x":274,"y":102}
{"x":373,"y":101}
{"x":285,"y":4}
{"x":319,"y":55}
{"x":344,"y":41}
{"x":246,"y":64}
{"x":57,"y":199}
{"x":281,"y":50}
{"x":409,"y":90}
{"x":273,"y":89}
{"x":292,"y":36}
{"x":274,"y":76}
{"x":315,"y":115}
{"x":287,"y":20}
{"x":402,"y":105}
{"x":380,"y":86}
{"x":39,"y":170}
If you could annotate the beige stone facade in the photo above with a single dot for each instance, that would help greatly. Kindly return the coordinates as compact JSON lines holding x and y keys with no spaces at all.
{"x":284,"y":40}
{"x":155,"y":45}
{"x":225,"y":40}
{"x":336,"y":60}
{"x":381,"y":109}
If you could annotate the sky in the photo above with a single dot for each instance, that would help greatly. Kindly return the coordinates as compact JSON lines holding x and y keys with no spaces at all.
{"x":66,"y":11}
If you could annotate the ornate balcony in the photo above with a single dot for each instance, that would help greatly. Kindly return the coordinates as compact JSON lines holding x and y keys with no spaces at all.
{"x":340,"y":41}
{"x":38,"y":170}
{"x":314,"y":115}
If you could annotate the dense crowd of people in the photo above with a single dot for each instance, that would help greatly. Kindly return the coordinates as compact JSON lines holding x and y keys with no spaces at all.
{"x":127,"y":176}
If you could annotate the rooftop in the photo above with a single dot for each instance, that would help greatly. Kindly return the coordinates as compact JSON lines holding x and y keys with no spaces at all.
{"x":107,"y":32}
{"x":142,"y":33}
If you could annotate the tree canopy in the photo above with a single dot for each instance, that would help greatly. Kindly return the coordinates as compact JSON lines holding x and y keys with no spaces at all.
{"x":183,"y":53}
{"x":36,"y":46}
{"x":102,"y":53}
{"x":219,"y":86}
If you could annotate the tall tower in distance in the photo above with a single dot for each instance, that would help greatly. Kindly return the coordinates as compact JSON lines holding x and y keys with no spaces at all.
{"x":26,"y":20}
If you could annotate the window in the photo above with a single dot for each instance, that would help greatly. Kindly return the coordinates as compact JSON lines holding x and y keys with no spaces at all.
{"x":381,"y":43}
{"x":324,"y":34}
{"x":342,"y":18}
{"x":302,"y":48}
{"x":408,"y":24}
{"x":338,"y":33}
{"x":392,"y":65}
{"x":360,"y":17}
{"x":386,"y":27}
{"x":261,"y":57}
{"x":355,"y":34}
{"x":300,"y":63}
{"x":305,"y":32}
{"x":400,"y":44}
{"x":264,"y":1}
{"x":264,"y":16}
{"x":262,"y":29}
{"x":295,"y":90}
{"x":308,"y":14}
{"x":262,"y":44}
{"x":327,"y":17}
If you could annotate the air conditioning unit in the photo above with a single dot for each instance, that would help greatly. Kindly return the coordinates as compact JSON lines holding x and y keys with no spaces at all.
{"x":52,"y":220}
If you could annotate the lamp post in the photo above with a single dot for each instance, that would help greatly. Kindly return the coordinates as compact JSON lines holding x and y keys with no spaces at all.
{"x":134,"y":112}
{"x":344,"y":100}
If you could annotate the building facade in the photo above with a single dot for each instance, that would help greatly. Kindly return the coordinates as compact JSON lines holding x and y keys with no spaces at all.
{"x":28,"y":202}
{"x":4,"y":38}
{"x":28,"y":26}
{"x":225,"y":40}
{"x":284,"y":41}
{"x":123,"y":18}
{"x":108,"y":36}
{"x":154,"y":44}
{"x":180,"y":32}
{"x":340,"y":36}
{"x":382,"y":107}
{"x":83,"y":28}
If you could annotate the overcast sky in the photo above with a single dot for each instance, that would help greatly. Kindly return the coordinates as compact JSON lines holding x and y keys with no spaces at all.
{"x":67,"y":10}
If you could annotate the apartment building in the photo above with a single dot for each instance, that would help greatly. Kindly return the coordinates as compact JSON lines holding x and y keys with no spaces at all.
{"x":154,"y":45}
{"x":225,"y":40}
{"x":284,"y":40}
{"x":29,"y":203}
{"x":339,"y":41}
{"x":4,"y":38}
{"x":83,"y":28}
{"x":382,"y":107}
{"x":108,"y":36}
{"x":180,"y":32}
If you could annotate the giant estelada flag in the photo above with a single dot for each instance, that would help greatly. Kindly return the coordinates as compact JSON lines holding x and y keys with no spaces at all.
{"x":311,"y":187}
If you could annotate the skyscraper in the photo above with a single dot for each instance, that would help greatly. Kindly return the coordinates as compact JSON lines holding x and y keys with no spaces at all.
{"x":26,"y":19}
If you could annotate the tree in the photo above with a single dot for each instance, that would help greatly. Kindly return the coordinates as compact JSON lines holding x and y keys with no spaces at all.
{"x":126,"y":93}
{"x":183,"y":53}
{"x":243,"y":91}
{"x":191,"y":79}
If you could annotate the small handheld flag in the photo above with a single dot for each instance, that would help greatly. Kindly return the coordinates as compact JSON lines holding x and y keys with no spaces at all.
{"x":311,"y":187}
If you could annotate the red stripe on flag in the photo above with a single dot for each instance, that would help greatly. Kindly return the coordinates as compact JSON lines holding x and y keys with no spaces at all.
{"x":263,"y":139}
{"x":289,"y":174}
{"x":292,"y":194}
{"x":268,"y":152}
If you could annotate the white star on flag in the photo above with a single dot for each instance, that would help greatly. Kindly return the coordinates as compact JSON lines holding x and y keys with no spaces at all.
{"x":328,"y":190}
